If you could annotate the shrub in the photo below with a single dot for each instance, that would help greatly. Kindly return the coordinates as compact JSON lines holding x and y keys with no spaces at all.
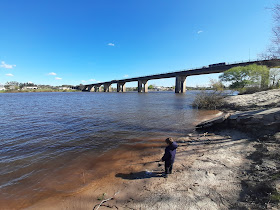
{"x":250,"y":90}
{"x":208,"y":100}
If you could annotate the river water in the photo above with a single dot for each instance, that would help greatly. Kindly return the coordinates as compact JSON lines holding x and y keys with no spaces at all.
{"x":44,"y":136}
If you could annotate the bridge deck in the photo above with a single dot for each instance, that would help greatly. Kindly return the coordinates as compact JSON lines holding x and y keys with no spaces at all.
{"x":198,"y":71}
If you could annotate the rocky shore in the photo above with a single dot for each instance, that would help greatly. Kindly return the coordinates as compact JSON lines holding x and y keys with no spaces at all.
{"x":258,"y":115}
{"x":230,"y":162}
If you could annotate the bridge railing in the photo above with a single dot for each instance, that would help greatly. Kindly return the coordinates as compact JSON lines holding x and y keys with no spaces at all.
{"x":194,"y":68}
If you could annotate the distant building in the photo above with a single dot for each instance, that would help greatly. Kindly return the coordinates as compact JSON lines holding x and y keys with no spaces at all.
{"x":30,"y":88}
{"x":161,"y":88}
{"x":2,"y":87}
{"x":64,"y":88}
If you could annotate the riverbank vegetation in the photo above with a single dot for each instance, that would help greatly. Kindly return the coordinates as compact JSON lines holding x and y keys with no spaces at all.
{"x":37,"y":90}
{"x":244,"y":79}
{"x":252,"y":78}
{"x":16,"y":87}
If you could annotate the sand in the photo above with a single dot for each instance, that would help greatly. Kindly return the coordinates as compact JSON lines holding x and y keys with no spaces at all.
{"x":206,"y":176}
{"x":226,"y":169}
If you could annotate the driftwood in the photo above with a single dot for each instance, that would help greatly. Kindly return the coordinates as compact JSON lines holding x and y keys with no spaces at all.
{"x":105,"y":200}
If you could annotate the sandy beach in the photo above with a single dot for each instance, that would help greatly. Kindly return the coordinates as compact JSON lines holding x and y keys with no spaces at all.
{"x":215,"y":169}
{"x":206,"y":176}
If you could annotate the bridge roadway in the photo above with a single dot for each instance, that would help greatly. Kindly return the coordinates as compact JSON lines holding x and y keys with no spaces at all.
{"x":180,"y":84}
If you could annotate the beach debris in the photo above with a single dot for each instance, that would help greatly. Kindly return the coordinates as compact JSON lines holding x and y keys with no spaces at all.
{"x":101,"y":197}
{"x":105,"y":200}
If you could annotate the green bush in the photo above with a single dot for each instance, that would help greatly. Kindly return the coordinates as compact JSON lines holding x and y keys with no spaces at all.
{"x":208,"y":100}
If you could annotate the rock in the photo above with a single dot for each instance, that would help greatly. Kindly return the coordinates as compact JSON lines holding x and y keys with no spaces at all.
{"x":269,"y":164}
{"x":258,"y":122}
{"x":277,"y":136}
{"x":214,"y":121}
{"x":277,"y":185}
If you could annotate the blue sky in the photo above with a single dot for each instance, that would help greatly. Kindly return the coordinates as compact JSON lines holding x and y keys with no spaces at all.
{"x":71,"y":42}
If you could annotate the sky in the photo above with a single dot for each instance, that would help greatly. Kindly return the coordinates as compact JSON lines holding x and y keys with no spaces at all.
{"x":56,"y":42}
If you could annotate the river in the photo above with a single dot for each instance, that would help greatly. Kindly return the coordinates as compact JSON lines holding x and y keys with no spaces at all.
{"x":44,"y":136}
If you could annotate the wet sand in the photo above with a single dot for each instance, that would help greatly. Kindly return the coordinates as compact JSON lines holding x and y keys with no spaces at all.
{"x":119,"y":169}
{"x":206,"y":176}
{"x":103,"y":174}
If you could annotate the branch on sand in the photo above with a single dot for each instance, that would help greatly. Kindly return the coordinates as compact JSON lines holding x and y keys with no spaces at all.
{"x":104,"y":201}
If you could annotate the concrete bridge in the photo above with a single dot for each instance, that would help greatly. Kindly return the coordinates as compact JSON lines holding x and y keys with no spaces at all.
{"x":180,"y":84}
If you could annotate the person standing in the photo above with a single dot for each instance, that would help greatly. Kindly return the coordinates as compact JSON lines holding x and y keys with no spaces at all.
{"x":169,"y":156}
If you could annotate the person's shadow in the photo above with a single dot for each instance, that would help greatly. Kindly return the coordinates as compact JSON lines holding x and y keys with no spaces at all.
{"x":140,"y":175}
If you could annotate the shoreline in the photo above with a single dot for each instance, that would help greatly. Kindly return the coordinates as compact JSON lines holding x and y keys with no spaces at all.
{"x":202,"y":167}
{"x":92,"y":175}
{"x":139,"y":163}
{"x":56,"y":183}
{"x":214,"y":169}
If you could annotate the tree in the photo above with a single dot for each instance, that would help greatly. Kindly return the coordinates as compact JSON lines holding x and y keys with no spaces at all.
{"x":12,"y":85}
{"x":242,"y":76}
{"x":237,"y":76}
{"x":273,"y":51}
{"x":274,"y":76}
{"x":259,"y":75}
{"x":150,"y":87}
{"x":216,"y":85}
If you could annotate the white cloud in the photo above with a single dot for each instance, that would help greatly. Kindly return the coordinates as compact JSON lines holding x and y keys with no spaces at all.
{"x":9,"y":75}
{"x":111,"y":44}
{"x":58,"y":78}
{"x":199,"y":32}
{"x":52,"y":73}
{"x":6,"y":66}
{"x":90,"y":80}
{"x":126,"y":76}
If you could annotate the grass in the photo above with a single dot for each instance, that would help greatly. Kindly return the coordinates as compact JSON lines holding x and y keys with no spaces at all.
{"x":275,"y":176}
{"x":101,"y":197}
{"x":275,"y":197}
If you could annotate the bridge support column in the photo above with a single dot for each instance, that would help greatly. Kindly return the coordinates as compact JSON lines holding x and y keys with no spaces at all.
{"x":107,"y":88}
{"x":180,"y":86}
{"x":91,"y":88}
{"x":121,"y":87}
{"x":87,"y":88}
{"x":96,"y":88}
{"x":142,"y":83}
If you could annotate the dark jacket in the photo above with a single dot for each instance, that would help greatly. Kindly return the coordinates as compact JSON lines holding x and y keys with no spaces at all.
{"x":170,"y":152}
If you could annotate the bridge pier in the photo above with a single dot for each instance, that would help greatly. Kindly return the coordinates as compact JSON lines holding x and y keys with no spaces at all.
{"x":180,"y":86}
{"x":121,"y":87}
{"x":87,"y":88}
{"x":91,"y":88}
{"x":140,"y":86}
{"x":107,"y":87}
{"x":96,"y":88}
